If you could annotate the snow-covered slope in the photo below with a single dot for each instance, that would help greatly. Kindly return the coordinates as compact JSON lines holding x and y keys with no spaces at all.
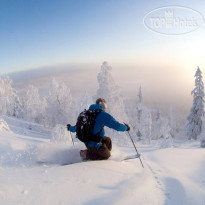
{"x":171,"y":176}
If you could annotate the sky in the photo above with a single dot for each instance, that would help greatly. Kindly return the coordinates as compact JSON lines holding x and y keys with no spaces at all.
{"x":42,"y":33}
{"x":37,"y":33}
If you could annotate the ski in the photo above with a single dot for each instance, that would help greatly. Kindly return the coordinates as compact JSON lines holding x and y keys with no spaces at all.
{"x":131,"y":157}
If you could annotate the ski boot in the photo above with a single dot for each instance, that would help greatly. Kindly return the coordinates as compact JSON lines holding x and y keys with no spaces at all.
{"x":84,"y":154}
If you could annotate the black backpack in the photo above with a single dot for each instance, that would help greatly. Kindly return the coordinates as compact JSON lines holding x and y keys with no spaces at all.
{"x":85,"y":125}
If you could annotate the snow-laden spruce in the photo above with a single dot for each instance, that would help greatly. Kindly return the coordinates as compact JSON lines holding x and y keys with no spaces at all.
{"x":4,"y":126}
{"x":60,"y":104}
{"x":194,"y":126}
{"x":33,"y":107}
{"x":161,"y":126}
{"x":141,"y":120}
{"x":112,"y":93}
{"x":203,"y":142}
{"x":60,"y":134}
{"x":84,"y":102}
{"x":9,"y":100}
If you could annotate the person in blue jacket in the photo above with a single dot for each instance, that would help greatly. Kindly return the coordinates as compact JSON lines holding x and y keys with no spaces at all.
{"x":100,"y":150}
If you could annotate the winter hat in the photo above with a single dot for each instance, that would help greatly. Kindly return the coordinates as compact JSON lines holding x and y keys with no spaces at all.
{"x":102,"y":102}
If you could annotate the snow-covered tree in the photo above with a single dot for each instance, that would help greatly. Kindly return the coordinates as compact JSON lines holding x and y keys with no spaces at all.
{"x":172,"y":123}
{"x":194,"y":126}
{"x":161,"y":129}
{"x":140,"y":99}
{"x":60,"y":134}
{"x":139,"y":135}
{"x":60,"y":104}
{"x":112,"y":94}
{"x":83,"y":102}
{"x":156,"y":124}
{"x":5,"y":87}
{"x":33,"y":106}
{"x":9,"y":100}
{"x":4,"y":126}
{"x":141,"y":122}
{"x":165,"y":143}
{"x":203,"y":142}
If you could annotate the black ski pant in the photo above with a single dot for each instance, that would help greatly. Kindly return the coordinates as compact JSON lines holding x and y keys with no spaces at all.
{"x":101,"y":153}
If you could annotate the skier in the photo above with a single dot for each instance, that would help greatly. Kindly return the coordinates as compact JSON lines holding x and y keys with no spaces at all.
{"x":100,"y":149}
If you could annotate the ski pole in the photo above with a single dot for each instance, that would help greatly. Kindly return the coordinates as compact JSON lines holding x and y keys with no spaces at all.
{"x":135,"y":148}
{"x":72,"y":139}
{"x":70,"y":134}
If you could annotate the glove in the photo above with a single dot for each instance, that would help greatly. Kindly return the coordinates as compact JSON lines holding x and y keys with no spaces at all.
{"x":128,"y":127}
{"x":68,"y":126}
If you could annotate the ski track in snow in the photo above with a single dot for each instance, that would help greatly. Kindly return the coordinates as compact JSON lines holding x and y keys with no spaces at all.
{"x":179,"y":186}
{"x":31,"y":173}
{"x":176,"y":196}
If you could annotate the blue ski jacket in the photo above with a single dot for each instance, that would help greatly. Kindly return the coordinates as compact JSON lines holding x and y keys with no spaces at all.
{"x":102,"y":119}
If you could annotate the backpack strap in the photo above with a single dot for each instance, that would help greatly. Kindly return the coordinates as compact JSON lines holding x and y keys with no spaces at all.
{"x":96,"y":137}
